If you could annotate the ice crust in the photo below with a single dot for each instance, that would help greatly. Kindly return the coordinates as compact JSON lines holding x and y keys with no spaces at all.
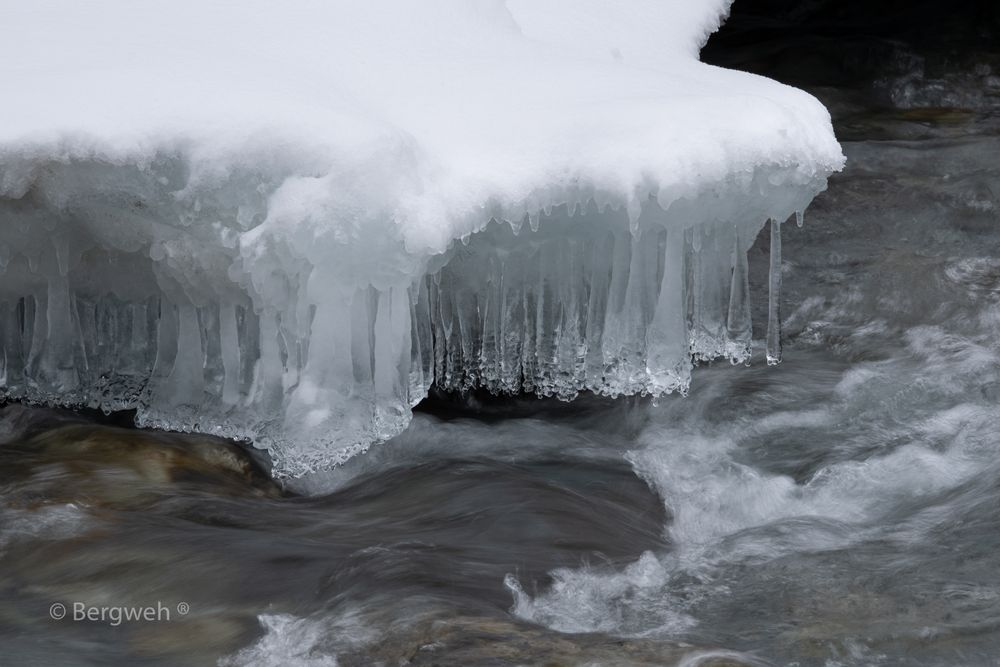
{"x":286,"y":221}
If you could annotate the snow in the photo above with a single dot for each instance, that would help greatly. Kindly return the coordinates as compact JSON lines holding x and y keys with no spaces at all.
{"x":225,"y":215}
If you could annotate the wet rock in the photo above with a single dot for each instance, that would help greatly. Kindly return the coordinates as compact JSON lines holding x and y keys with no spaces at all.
{"x":473,"y":641}
{"x":53,"y":456}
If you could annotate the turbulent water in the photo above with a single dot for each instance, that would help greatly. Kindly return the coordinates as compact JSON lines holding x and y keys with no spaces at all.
{"x":842,"y":508}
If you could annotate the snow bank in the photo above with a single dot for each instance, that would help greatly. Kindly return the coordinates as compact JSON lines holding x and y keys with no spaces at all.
{"x":272,"y":220}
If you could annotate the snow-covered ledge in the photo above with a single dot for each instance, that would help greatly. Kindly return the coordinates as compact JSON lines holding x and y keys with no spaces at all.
{"x":274,"y":221}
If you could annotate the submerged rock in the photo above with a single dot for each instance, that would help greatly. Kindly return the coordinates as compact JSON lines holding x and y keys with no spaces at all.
{"x":467,"y":640}
{"x":55,"y":456}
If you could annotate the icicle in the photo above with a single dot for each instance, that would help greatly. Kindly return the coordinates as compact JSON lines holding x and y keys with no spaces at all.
{"x":211,"y":337}
{"x":611,"y":341}
{"x":774,"y":298}
{"x":267,"y":390}
{"x":166,"y":338}
{"x":39,"y":331}
{"x":421,"y":341}
{"x":800,"y":217}
{"x":512,"y":324}
{"x":133,"y":337}
{"x":61,"y":244}
{"x":230,"y":353}
{"x":332,"y":365}
{"x":471,"y":333}
{"x":385,"y":366}
{"x":106,"y":321}
{"x":600,"y":278}
{"x":739,"y":328}
{"x":58,"y":367}
{"x":711,"y":285}
{"x":186,"y":381}
{"x":569,"y":341}
{"x":392,"y":360}
{"x":440,"y":335}
{"x":516,"y":223}
{"x":86,"y":319}
{"x":634,"y":211}
{"x":696,"y":240}
{"x":362,"y":336}
{"x":402,"y":357}
{"x":546,"y":322}
{"x":667,"y":359}
{"x":529,"y":326}
{"x":11,"y":346}
{"x":489,"y":313}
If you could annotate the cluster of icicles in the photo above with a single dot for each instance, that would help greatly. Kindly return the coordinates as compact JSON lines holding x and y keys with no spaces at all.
{"x":614,"y":313}
{"x":576,"y":305}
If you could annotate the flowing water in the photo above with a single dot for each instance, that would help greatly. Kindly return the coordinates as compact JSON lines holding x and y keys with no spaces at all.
{"x":842,"y":508}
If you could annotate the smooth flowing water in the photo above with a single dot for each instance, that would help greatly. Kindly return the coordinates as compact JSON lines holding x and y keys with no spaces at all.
{"x":842,"y":508}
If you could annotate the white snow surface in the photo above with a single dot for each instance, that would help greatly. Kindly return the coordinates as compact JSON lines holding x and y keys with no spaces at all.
{"x":266,"y":171}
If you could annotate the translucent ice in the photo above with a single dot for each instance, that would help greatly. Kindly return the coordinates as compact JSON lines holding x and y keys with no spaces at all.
{"x":276,"y":222}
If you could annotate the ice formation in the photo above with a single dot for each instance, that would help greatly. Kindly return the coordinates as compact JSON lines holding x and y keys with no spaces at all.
{"x":286,"y":221}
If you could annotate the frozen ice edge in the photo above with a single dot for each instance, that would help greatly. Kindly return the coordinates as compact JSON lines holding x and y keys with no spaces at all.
{"x":202,"y":327}
{"x":275,"y":223}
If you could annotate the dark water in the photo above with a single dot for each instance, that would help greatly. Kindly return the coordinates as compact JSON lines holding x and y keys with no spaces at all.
{"x":840,"y":509}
